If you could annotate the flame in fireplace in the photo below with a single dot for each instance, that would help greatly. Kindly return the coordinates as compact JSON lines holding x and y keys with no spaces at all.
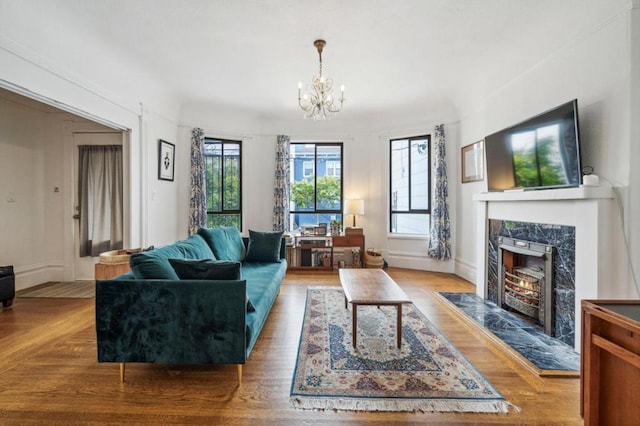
{"x":527,"y":288}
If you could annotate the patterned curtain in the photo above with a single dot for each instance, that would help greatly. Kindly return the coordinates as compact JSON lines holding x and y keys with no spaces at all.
{"x":198,"y":200}
{"x":439,"y":243}
{"x":281,"y":186}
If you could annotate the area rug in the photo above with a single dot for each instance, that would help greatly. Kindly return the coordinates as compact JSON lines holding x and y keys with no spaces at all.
{"x":427,"y":374}
{"x":67,"y":289}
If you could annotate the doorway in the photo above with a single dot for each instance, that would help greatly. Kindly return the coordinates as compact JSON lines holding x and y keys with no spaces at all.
{"x":93,"y":222}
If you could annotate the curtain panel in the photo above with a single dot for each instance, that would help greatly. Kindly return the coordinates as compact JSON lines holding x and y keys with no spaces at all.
{"x":197,"y":200}
{"x":440,"y":238}
{"x":100,"y":194}
{"x":281,"y":185}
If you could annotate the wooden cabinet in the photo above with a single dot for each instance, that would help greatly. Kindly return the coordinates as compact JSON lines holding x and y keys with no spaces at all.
{"x":352,"y":240}
{"x":610,"y":367}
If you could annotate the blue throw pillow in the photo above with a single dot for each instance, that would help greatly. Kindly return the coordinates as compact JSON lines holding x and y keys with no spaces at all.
{"x":264,"y":246}
{"x":209,"y":270}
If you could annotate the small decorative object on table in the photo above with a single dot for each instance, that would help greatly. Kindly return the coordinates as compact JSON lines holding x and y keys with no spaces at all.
{"x":355,"y":253}
{"x":320,"y":229}
{"x":336,"y":227}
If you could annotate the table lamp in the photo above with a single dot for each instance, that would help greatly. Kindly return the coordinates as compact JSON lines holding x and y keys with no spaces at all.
{"x":354,"y":207}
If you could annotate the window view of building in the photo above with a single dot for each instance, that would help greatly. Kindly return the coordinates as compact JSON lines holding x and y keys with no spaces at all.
{"x":410,"y":193}
{"x":223,"y":182}
{"x":316,"y":184}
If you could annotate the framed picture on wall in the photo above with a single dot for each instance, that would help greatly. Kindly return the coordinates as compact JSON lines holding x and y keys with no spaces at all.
{"x":166,"y":158}
{"x":473,"y":162}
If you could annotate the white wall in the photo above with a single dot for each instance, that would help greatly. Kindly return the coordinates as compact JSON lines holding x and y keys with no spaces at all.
{"x":366,"y":163}
{"x":160,"y":209}
{"x":36,"y":190}
{"x":105,"y":88}
{"x":600,"y":68}
{"x":633,"y":196}
{"x":22,"y":164}
{"x":594,"y":69}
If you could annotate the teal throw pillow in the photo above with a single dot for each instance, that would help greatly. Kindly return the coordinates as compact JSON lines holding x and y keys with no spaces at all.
{"x":154,"y":264}
{"x":264,"y":246}
{"x":209,"y":270}
{"x":225,"y":242}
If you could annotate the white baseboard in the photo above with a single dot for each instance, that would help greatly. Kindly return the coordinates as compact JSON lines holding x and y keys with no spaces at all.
{"x":418,"y":261}
{"x":466,"y":270}
{"x":33,"y":275}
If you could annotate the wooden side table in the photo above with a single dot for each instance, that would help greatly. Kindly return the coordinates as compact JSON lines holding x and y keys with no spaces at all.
{"x":108,"y":271}
{"x":112,"y":263}
{"x":610,"y":367}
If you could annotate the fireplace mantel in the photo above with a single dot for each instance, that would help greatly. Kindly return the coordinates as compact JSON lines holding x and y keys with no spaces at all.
{"x":588,"y":208}
{"x":580,"y":193}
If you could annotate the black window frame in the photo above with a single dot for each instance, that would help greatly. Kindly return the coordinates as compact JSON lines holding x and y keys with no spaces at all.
{"x":223,"y":211}
{"x":340,"y":210}
{"x":411,"y":210}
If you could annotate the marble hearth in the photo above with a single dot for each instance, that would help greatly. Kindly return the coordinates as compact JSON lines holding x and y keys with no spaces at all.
{"x":577,"y":221}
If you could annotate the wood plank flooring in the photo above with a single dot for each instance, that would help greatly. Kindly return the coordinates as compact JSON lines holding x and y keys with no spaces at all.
{"x":49,"y":373}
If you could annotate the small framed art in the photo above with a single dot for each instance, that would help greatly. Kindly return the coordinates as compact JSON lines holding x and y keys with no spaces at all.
{"x":473,"y":162}
{"x":166,"y":158}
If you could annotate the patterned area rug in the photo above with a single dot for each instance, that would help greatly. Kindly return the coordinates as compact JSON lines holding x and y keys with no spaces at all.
{"x":68,"y":289}
{"x":427,"y":374}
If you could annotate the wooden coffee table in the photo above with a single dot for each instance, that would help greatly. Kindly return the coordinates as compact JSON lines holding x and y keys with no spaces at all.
{"x":372,"y":287}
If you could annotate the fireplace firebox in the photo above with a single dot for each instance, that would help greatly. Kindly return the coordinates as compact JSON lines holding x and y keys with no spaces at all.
{"x":525,"y":281}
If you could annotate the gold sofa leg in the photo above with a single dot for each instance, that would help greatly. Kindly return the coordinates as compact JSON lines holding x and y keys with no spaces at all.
{"x":122,"y":372}
{"x":239,"y":374}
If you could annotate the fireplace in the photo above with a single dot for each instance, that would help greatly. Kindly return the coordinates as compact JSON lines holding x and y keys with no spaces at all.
{"x":525,"y":281}
{"x":538,"y":250}
{"x":583,"y":227}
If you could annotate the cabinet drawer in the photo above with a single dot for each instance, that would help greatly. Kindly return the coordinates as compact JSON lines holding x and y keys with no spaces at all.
{"x":348,"y":240}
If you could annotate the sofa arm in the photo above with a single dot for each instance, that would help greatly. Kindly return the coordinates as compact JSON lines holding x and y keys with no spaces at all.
{"x":171,"y":321}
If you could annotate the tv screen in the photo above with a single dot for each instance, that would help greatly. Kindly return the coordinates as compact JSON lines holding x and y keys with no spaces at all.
{"x":541,"y":152}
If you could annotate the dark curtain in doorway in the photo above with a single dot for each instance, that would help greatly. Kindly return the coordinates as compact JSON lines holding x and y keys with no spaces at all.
{"x":100,"y":198}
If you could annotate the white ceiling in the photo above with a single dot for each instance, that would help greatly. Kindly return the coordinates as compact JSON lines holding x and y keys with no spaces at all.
{"x":251,"y":54}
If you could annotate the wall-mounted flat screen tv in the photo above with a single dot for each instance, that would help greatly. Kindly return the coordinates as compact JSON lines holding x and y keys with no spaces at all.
{"x":539,"y":153}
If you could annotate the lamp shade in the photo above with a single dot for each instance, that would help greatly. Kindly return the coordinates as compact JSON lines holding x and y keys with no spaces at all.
{"x":355,"y":207}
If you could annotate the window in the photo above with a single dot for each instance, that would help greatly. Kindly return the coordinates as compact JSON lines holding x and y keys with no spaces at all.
{"x":410,"y":177}
{"x":333,"y":168}
{"x":315,"y":198}
{"x":223,"y":181}
{"x":307,"y":169}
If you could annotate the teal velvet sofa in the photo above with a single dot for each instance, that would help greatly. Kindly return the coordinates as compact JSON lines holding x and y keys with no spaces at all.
{"x":158,"y":313}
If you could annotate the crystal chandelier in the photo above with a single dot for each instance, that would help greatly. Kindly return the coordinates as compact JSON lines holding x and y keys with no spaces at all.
{"x":318,"y":101}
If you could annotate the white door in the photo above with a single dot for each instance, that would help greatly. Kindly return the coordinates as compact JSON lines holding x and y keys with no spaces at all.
{"x":85,"y":266}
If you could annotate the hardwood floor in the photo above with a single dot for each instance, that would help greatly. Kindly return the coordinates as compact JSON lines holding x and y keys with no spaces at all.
{"x":49,"y":373}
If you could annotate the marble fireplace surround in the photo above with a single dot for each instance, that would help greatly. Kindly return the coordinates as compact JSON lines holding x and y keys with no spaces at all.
{"x":560,"y":274}
{"x":588,"y":209}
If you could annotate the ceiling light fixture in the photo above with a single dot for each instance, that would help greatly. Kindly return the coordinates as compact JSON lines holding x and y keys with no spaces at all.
{"x":317,"y":101}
